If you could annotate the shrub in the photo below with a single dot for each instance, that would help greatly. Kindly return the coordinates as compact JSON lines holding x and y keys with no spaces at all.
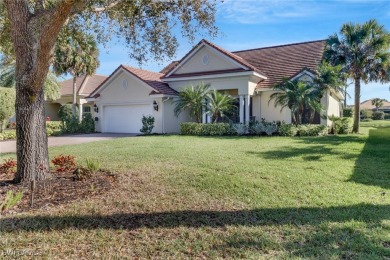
{"x":270,"y":129}
{"x":147,"y":125}
{"x":11,"y":199}
{"x":87,"y":125}
{"x":287,"y":129}
{"x":256,"y":128}
{"x":340,"y":125}
{"x":312,"y":130}
{"x":65,"y":112}
{"x":387,"y":116}
{"x":7,"y":105}
{"x":64,"y":163}
{"x":240,"y":129}
{"x":347,"y":112}
{"x":53,"y":125}
{"x":216,"y":129}
{"x":366,"y":114}
{"x":8,"y":167}
{"x":92,"y":166}
{"x":8,"y":135}
{"x":378,"y":115}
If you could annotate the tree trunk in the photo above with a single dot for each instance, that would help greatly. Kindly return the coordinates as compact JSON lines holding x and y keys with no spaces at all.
{"x":345,"y":96}
{"x":356,"y":119}
{"x":33,"y":35}
{"x":74,"y":97}
{"x":31,"y":138}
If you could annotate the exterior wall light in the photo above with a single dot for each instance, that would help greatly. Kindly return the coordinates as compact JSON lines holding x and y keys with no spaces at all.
{"x":95,"y":108}
{"x":155,"y":105}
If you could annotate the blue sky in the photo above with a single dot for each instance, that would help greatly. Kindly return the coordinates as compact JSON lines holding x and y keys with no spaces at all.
{"x":246,"y":24}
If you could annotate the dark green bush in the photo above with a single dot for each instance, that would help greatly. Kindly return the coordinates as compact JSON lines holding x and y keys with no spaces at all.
{"x":205,"y":129}
{"x":312,"y":130}
{"x":347,"y":112}
{"x":65,"y":112}
{"x":287,"y":129}
{"x":147,"y":125}
{"x":87,"y":125}
{"x":365,"y":114}
{"x":378,"y":115}
{"x":387,"y":116}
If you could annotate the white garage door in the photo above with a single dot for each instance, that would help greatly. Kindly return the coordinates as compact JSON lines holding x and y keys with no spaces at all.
{"x":124,"y":119}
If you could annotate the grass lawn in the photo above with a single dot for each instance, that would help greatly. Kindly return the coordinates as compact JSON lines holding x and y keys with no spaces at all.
{"x":227,"y":197}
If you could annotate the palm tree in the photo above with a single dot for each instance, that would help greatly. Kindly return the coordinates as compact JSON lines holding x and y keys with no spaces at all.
{"x":192,"y":98}
{"x":75,"y":53}
{"x":296,"y":95}
{"x":51,"y":87}
{"x":329,"y":79}
{"x":362,"y":51}
{"x":377,"y":102}
{"x":218,"y":104}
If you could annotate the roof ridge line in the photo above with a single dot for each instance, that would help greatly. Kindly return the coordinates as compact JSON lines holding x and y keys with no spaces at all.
{"x":141,"y":69}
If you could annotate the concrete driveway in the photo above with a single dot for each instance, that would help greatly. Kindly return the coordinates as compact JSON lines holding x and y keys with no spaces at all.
{"x":10,"y":146}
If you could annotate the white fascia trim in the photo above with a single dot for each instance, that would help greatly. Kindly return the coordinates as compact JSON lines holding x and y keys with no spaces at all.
{"x":90,"y":99}
{"x":113,"y":77}
{"x":222,"y":75}
{"x":127,"y":103}
{"x":303,"y":73}
{"x":213,"y":50}
{"x":161,"y":96}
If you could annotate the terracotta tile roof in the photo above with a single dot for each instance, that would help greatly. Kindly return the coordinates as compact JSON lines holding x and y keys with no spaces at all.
{"x":368,"y":105}
{"x":247,"y":65}
{"x":284,"y":61}
{"x":85,"y":85}
{"x":153,"y":79}
{"x":169,"y":67}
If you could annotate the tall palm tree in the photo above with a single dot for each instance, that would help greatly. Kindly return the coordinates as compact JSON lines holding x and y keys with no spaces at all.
{"x":363,"y":52}
{"x":192,"y":98}
{"x":377,"y":102}
{"x":218,"y":104}
{"x":296,"y":95}
{"x":76,"y":53}
{"x":51,"y":86}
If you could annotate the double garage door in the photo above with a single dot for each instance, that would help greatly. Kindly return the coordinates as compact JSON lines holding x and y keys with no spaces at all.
{"x":124,"y":118}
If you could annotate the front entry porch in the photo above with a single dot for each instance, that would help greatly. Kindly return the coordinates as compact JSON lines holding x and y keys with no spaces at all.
{"x":243,"y":113}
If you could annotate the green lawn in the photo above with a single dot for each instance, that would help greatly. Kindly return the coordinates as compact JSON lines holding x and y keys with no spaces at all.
{"x":225,"y":197}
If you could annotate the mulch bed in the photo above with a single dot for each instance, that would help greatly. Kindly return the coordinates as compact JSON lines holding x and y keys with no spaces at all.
{"x":60,"y":189}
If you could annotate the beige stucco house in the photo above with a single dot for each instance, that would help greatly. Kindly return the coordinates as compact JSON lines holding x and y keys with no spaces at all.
{"x":85,"y":85}
{"x":128,"y":93}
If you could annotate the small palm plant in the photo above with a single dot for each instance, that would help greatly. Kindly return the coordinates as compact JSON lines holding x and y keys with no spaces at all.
{"x":192,"y":98}
{"x":377,"y":102}
{"x":296,"y":95}
{"x":218,"y":104}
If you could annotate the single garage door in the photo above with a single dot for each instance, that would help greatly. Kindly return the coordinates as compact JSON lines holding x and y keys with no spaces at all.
{"x":124,"y":119}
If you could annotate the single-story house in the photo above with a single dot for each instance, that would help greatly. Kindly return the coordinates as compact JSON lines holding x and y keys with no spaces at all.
{"x":367,"y":105}
{"x":128,"y":93}
{"x":85,"y":85}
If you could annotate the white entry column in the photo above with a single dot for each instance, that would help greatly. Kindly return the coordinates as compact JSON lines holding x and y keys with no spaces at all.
{"x":241,"y":108}
{"x":247,"y":108}
{"x":80,"y":111}
{"x":203,"y":113}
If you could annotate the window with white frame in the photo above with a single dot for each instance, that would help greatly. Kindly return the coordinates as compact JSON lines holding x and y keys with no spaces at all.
{"x":86,"y":110}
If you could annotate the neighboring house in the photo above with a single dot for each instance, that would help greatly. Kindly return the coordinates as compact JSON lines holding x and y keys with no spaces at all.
{"x":367,"y":105}
{"x":129,"y":93}
{"x":84,"y":87}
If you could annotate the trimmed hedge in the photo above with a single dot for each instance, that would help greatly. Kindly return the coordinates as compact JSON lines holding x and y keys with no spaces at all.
{"x":312,"y":130}
{"x":205,"y":129}
{"x":378,"y":115}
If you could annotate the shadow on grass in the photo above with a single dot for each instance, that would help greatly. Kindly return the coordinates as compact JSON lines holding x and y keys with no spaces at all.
{"x":310,"y":232}
{"x":307,"y":153}
{"x":372,"y":166}
{"x":256,"y":217}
